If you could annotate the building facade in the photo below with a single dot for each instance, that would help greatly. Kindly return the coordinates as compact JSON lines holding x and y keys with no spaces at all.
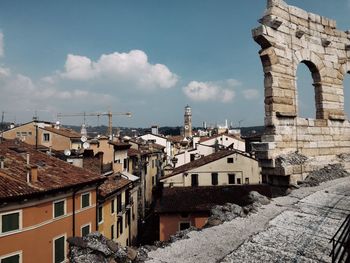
{"x":43,"y":201}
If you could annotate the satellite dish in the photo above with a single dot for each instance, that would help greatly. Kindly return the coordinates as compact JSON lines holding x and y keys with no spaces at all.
{"x":67,"y":152}
{"x":83,"y":138}
{"x":57,"y":122}
{"x":86,"y":145}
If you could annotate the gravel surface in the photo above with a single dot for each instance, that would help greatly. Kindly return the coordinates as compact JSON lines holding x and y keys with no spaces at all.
{"x":293,"y":228}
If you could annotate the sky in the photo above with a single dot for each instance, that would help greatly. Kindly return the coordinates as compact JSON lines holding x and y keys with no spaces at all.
{"x":151,"y":58}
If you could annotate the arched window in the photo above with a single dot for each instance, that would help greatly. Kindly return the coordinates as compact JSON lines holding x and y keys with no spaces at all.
{"x":308,"y":86}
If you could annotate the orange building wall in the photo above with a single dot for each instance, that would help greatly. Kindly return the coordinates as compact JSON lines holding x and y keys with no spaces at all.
{"x":169,"y":224}
{"x":39,"y":229}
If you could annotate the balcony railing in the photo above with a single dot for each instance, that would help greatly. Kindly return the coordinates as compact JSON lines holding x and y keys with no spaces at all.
{"x":341,"y":243}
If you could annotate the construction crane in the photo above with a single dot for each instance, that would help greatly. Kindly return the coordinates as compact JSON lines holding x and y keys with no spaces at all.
{"x":98,"y":114}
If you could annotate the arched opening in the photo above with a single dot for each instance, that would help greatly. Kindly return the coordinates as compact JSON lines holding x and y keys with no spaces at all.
{"x":347,"y":95}
{"x":307,"y":90}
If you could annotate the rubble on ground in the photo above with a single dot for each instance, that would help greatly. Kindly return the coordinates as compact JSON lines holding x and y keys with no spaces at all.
{"x":94,"y":247}
{"x":327,"y":173}
{"x":228,"y":212}
{"x":293,"y":158}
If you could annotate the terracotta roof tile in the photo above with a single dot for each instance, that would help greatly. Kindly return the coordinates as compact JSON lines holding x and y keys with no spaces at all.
{"x":200,"y":162}
{"x":53,"y":174}
{"x":64,"y":132}
{"x":113,"y":184}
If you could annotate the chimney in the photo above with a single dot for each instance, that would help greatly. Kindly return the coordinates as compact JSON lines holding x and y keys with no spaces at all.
{"x":34,"y":173}
{"x":2,"y":162}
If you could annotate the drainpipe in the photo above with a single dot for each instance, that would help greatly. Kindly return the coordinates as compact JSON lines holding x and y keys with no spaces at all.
{"x":36,"y":136}
{"x":73,"y":196}
{"x":97,"y":205}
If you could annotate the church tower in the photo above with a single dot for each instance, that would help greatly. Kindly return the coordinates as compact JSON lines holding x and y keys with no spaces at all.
{"x":188,"y":122}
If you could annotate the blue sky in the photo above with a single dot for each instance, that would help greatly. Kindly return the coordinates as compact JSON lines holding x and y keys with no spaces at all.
{"x":147,"y":57}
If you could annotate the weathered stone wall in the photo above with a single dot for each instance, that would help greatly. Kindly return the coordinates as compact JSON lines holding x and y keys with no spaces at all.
{"x":289,"y":36}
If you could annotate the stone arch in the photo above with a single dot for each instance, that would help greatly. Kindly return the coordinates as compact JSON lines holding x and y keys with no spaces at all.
{"x":317,"y":84}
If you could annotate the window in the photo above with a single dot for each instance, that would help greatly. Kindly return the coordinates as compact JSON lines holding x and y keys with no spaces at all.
{"x":24,"y":134}
{"x":231,"y":178}
{"x":112,"y":206}
{"x":59,"y":249}
{"x":194,"y":179}
{"x":119,"y":226}
{"x":230,"y":160}
{"x":214,"y":178}
{"x":152,"y":163}
{"x":119,"y":203}
{"x":184,"y":225}
{"x":10,"y":221}
{"x":247,"y":180}
{"x":238,"y":180}
{"x":125,"y":164}
{"x":11,"y":258}
{"x":30,"y":133}
{"x":46,"y":137}
{"x":192,"y":157}
{"x":112,"y":231}
{"x":18,"y":134}
{"x":59,"y":208}
{"x":85,"y":230}
{"x":85,"y":200}
{"x":100,"y":214}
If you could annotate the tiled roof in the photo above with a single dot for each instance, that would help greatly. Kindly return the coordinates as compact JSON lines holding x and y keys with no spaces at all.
{"x":53,"y":174}
{"x":120,"y":145}
{"x":64,"y":132}
{"x":202,"y":199}
{"x":112,"y":185}
{"x":200,"y":162}
{"x":133,"y":152}
{"x":176,"y":139}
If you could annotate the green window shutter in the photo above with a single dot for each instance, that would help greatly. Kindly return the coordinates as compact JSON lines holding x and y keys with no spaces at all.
{"x":11,"y":259}
{"x":59,"y":250}
{"x":59,"y":208}
{"x":10,"y":222}
{"x":85,"y":230}
{"x":85,"y":200}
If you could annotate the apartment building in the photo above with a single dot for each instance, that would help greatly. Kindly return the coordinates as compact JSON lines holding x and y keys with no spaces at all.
{"x":117,"y":209}
{"x":43,"y":201}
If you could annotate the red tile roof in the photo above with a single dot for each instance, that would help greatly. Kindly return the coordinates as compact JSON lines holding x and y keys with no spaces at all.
{"x":53,"y":174}
{"x":200,"y":162}
{"x":112,"y":185}
{"x":133,"y":152}
{"x":64,"y":132}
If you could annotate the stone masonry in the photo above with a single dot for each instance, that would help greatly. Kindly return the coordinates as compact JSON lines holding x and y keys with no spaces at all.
{"x":289,"y":36}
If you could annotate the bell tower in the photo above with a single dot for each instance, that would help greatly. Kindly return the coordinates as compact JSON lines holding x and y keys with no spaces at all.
{"x":188,"y":122}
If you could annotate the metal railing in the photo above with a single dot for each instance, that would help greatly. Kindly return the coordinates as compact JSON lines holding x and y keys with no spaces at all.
{"x":341,"y":243}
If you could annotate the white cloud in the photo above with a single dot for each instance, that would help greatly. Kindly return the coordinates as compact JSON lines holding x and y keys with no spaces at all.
{"x":250,"y":94}
{"x":22,"y":93}
{"x":130,"y":68}
{"x":1,"y":44}
{"x":210,"y":91}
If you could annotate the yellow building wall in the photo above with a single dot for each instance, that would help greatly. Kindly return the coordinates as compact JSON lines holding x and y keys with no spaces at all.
{"x":110,"y":219}
{"x":243,"y":167}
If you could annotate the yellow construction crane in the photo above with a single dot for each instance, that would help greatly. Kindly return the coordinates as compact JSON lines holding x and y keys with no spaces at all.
{"x":98,"y":114}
